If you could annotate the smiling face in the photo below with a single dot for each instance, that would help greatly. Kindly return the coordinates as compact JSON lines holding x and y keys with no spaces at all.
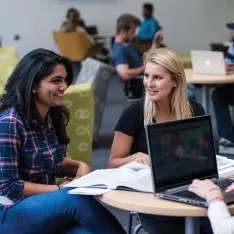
{"x":158,"y":82}
{"x":49,"y":92}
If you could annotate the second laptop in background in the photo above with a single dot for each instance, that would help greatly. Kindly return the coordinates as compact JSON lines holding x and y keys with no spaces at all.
{"x":208,"y":62}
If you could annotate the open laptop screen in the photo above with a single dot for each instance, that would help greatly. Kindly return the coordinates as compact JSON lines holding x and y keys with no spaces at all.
{"x":181,"y":151}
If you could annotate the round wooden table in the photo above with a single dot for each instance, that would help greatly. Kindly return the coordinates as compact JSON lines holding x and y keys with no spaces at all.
{"x":206,"y":80}
{"x":149,"y":204}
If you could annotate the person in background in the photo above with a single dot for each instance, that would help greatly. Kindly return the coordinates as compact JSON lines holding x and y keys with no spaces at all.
{"x":150,"y":28}
{"x":33,"y":142}
{"x":165,"y":87}
{"x":219,"y":216}
{"x":127,"y":59}
{"x":223,"y":97}
{"x":74,"y":22}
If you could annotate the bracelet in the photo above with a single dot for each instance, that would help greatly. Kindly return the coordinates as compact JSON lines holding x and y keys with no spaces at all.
{"x":215,"y":199}
{"x":215,"y":188}
{"x":58,"y":186}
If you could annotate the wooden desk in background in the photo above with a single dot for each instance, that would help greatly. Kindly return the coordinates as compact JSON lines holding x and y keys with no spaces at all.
{"x":149,"y":204}
{"x":206,"y":81}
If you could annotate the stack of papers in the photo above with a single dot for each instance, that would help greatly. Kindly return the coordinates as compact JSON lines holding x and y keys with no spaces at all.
{"x":225,"y":166}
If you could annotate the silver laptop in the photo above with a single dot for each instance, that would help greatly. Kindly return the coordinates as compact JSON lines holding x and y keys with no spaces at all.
{"x":181,"y":151}
{"x":208,"y":62}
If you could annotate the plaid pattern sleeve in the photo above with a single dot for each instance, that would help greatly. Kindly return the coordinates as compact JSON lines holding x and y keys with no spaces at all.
{"x":10,"y":183}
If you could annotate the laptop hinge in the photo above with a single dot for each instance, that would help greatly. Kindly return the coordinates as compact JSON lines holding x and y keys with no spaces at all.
{"x":177,"y":188}
{"x":183,"y":187}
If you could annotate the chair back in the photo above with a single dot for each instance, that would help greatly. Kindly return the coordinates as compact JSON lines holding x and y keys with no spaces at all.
{"x":74,"y":45}
{"x":80,"y":102}
{"x":8,"y":60}
{"x":98,"y":73}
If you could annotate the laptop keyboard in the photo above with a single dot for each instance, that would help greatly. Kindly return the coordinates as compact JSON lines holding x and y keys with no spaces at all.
{"x":223,"y":184}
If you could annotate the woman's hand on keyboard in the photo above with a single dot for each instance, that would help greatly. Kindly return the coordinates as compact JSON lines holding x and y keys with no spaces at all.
{"x":204,"y":188}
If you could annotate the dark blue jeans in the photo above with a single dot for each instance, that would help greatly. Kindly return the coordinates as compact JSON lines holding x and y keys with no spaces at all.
{"x":60,"y":213}
{"x":222,"y":97}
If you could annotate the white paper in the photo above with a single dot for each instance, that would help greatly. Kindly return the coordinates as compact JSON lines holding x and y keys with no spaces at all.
{"x":89,"y":191}
{"x":138,"y":178}
{"x":223,"y":160}
{"x":102,"y":178}
{"x":225,"y":166}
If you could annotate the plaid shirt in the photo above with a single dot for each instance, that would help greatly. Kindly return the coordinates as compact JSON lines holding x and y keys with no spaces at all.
{"x":27,"y":153}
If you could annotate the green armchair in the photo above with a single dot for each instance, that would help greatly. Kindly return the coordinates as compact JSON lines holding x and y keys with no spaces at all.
{"x":8,"y":61}
{"x":80,"y":102}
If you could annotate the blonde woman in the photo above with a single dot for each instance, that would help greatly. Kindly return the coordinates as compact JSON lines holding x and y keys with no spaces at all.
{"x":165,"y":100}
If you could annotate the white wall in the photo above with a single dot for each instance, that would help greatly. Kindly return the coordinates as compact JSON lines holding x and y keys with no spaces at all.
{"x":187,"y":23}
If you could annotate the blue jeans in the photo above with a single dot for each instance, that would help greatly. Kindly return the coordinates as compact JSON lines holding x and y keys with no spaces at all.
{"x":222,"y":97}
{"x":60,"y":213}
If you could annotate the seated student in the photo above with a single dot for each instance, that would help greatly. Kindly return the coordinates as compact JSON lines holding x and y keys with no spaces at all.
{"x":149,"y":28}
{"x":219,"y":216}
{"x":222,"y":97}
{"x":126,"y":57}
{"x":33,"y":153}
{"x":165,"y":100}
{"x":73,"y":21}
{"x":75,"y":24}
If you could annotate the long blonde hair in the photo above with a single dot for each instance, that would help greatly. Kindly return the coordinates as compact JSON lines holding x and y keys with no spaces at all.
{"x":180,"y":107}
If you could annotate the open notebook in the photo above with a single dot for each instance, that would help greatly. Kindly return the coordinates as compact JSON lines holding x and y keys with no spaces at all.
{"x":133,"y":176}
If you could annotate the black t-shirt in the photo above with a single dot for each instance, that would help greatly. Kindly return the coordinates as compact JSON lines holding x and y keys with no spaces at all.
{"x":131,"y":123}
